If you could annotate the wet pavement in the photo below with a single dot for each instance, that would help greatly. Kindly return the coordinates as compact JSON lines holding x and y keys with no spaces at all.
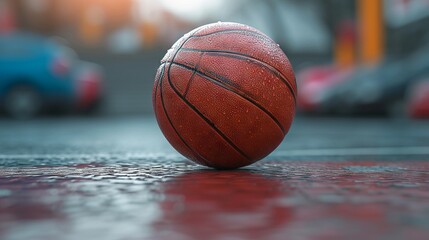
{"x":118,"y":178}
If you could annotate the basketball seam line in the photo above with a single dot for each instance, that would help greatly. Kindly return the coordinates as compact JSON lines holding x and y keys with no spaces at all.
{"x":198,"y":112}
{"x":234,"y":91}
{"x":274,"y":70}
{"x":157,"y":80}
{"x":156,"y":86}
{"x":171,"y":123}
{"x":192,"y":77}
{"x":209,"y":122}
{"x":255,"y":34}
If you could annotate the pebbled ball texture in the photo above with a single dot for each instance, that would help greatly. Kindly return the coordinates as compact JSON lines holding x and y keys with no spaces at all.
{"x":224,"y":95}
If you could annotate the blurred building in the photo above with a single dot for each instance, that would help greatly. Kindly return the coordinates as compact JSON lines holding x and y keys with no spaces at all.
{"x":346,"y":33}
{"x":7,"y":18}
{"x":94,"y":22}
{"x":406,"y":24}
{"x":300,"y":26}
{"x":151,"y":23}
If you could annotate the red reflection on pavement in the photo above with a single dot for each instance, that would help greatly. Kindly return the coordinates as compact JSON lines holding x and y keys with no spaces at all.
{"x":212,"y":205}
{"x":273,"y":200}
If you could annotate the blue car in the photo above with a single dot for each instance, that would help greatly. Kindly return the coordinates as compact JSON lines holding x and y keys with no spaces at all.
{"x":38,"y":75}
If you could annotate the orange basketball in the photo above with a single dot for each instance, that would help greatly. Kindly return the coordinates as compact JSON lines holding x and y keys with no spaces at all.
{"x":224,"y":95}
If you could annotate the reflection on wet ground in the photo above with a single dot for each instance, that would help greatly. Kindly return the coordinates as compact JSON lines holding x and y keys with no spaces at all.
{"x":178,"y":200}
{"x":118,"y":178}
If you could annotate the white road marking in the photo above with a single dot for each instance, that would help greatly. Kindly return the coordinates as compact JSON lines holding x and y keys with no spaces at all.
{"x":94,"y":156}
{"x":370,"y":151}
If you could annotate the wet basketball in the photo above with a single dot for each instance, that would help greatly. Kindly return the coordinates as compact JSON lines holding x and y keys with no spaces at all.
{"x":224,"y":95}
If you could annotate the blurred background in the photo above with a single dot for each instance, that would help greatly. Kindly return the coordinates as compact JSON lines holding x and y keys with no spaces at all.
{"x":351,"y":57}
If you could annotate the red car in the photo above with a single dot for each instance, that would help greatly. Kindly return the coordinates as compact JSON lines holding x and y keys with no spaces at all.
{"x":314,"y":81}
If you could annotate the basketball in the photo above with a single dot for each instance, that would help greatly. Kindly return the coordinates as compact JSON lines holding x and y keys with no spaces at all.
{"x":224,"y":95}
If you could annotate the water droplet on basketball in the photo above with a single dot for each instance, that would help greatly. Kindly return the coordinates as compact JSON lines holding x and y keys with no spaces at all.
{"x":220,"y":105}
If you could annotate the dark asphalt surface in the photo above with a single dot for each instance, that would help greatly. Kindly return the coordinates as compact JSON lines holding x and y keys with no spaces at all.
{"x":139,"y":137}
{"x":118,"y":178}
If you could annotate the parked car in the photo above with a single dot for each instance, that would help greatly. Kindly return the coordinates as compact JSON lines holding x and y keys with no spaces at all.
{"x":377,"y":90}
{"x":314,"y":81}
{"x":38,"y":74}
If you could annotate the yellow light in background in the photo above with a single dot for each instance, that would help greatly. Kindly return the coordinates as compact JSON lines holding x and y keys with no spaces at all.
{"x":149,"y":20}
{"x":91,"y":24}
{"x":371,"y":25}
{"x":345,"y":44}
